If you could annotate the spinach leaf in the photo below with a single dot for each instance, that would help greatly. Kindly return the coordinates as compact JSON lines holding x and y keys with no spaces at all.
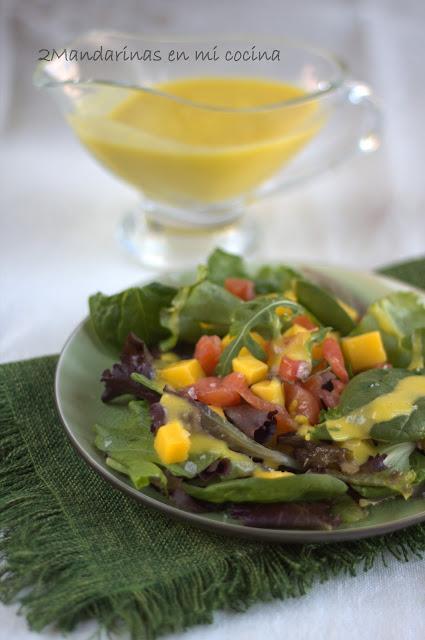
{"x":274,"y":279}
{"x":258,"y":314}
{"x":222,"y":265}
{"x":352,"y":411}
{"x":397,"y":316}
{"x":323,"y":306}
{"x":134,"y":310}
{"x":305,"y":487}
{"x":198,"y":309}
{"x":141,"y":472}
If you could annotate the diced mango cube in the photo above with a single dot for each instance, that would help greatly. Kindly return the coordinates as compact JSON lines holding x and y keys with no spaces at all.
{"x":270,"y":390}
{"x":361,"y":449}
{"x":294,"y":330}
{"x":172,"y":442}
{"x":253,"y":369}
{"x":364,"y":351}
{"x":283,"y":311}
{"x":182,"y":373}
{"x":271,"y":475}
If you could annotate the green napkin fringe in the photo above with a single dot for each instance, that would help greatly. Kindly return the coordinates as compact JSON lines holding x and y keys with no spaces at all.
{"x":46,"y":567}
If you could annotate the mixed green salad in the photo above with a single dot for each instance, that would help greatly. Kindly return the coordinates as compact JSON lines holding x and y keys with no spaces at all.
{"x":264,"y":395}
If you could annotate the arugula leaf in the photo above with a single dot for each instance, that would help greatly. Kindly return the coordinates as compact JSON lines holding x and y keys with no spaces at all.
{"x":363,"y":389}
{"x":147,"y":382}
{"x":134,"y":310}
{"x":198,"y":309}
{"x":306,"y":487}
{"x":274,"y":279}
{"x":222,"y":265}
{"x":323,"y":306}
{"x":397,"y":316}
{"x":260,"y":313}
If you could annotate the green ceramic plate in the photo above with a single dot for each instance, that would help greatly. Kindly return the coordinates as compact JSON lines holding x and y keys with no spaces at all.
{"x":78,"y":393}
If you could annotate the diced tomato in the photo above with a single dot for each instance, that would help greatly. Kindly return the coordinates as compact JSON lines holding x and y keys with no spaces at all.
{"x":305,"y":321}
{"x":240,"y":287}
{"x":292,"y":370}
{"x":220,"y":392}
{"x":299,"y":401}
{"x":314,"y":384}
{"x":207,"y":352}
{"x":333,"y":355}
{"x":284,"y":422}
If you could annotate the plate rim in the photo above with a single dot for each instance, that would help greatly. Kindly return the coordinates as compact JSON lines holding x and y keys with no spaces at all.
{"x":293,"y":536}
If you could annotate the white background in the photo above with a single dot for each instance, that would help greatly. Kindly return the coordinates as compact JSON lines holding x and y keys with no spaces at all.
{"x":59,"y":211}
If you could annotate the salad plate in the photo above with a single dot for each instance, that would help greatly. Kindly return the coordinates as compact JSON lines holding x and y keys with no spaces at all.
{"x":291,"y":476}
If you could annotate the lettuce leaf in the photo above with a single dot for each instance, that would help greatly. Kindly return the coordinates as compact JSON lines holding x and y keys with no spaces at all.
{"x":301,"y":515}
{"x":397,"y":316}
{"x":134,"y":310}
{"x":127,"y":440}
{"x":135,"y":360}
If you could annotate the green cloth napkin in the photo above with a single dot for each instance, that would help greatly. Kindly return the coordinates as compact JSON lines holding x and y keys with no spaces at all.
{"x":76,"y":549}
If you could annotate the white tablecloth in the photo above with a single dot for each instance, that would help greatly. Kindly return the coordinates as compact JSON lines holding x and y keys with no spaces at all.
{"x":59,"y":211}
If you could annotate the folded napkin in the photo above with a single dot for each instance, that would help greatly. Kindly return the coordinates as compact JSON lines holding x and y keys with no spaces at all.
{"x":75,"y":548}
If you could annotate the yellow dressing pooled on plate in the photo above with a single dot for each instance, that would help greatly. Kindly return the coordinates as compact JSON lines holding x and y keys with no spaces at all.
{"x":400,"y":401}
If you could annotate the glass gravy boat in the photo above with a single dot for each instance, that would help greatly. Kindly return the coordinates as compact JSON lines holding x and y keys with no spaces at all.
{"x":202,"y":128}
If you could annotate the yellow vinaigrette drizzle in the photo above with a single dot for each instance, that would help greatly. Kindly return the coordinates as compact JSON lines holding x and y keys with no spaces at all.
{"x":399,"y":402}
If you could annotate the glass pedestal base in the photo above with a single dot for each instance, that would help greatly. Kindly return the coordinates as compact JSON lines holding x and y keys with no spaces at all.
{"x":161,"y":247}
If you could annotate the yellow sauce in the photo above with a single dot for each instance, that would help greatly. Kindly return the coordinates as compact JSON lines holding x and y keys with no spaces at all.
{"x":399,"y":402}
{"x":187,"y":144}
